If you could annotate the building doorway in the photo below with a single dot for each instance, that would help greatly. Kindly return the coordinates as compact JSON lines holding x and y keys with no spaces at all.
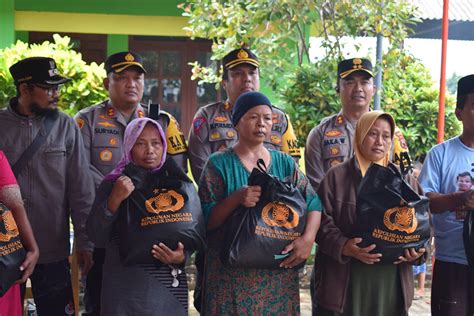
{"x":168,"y":78}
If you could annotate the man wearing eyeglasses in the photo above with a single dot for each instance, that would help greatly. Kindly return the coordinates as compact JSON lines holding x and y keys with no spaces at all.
{"x":45,"y":149}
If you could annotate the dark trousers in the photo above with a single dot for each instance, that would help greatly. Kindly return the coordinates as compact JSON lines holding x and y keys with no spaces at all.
{"x":312,"y":289}
{"x":199,"y":262}
{"x":94,"y":284}
{"x":452,"y":292}
{"x":52,"y":290}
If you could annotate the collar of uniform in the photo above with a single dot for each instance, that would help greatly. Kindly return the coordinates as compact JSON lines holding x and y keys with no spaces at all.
{"x":139,"y":112}
{"x":110,"y":111}
{"x":227,"y":106}
{"x":340,"y":119}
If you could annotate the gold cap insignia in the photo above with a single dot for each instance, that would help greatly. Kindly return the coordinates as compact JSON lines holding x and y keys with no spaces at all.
{"x":129,"y":57}
{"x":357,"y":63}
{"x":242,"y":54}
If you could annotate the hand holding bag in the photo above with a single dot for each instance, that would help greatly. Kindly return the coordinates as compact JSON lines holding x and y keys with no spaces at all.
{"x":164,"y":207}
{"x":255,"y":236}
{"x":390,"y":214}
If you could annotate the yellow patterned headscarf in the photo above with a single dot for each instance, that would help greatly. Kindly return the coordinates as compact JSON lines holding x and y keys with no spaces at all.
{"x":363,"y":126}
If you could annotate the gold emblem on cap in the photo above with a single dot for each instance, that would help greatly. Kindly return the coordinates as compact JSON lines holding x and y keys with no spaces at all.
{"x":357,"y":63}
{"x":242,"y":54}
{"x":129,"y":57}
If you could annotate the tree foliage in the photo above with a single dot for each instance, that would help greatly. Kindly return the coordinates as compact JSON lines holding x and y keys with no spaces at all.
{"x":278,"y":30}
{"x":85,"y":88}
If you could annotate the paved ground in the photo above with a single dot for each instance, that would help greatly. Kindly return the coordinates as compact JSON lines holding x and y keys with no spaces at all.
{"x":419,"y":307}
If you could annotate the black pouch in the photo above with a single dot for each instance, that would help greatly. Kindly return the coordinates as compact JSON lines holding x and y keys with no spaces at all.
{"x":164,"y":207}
{"x":12,"y":253}
{"x":468,"y":237}
{"x":390,"y":214}
{"x":255,"y":237}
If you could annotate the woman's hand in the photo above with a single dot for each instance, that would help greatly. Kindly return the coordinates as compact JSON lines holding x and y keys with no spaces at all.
{"x":250,"y":195}
{"x":168,"y":256}
{"x":410,"y":255}
{"x":300,"y":250}
{"x":301,"y":247}
{"x":121,"y":190}
{"x":247,"y":196}
{"x":28,"y":265}
{"x":351,"y":249}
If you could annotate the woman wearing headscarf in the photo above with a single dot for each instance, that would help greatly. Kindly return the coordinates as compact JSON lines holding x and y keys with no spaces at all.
{"x":10,"y":197}
{"x":350,"y":279}
{"x":222,"y":189}
{"x":139,"y":289}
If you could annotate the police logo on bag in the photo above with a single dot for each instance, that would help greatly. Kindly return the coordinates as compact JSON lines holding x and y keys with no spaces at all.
{"x":401,"y":218}
{"x":164,"y":201}
{"x":279,"y":214}
{"x":11,"y":230}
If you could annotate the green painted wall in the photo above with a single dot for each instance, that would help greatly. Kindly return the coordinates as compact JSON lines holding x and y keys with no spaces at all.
{"x":116,"y":43}
{"x":7,"y":23}
{"x":22,"y":36}
{"x":130,"y":7}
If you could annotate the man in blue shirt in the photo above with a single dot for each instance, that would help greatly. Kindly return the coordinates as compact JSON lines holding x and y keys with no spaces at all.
{"x":442,"y":177}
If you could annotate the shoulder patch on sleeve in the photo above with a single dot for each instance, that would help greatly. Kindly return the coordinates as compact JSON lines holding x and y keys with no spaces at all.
{"x":289,"y":141}
{"x":198,"y":123}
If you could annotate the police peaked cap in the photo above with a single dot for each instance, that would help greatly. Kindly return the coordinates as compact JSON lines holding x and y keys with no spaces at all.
{"x":41,"y":70}
{"x":120,"y":61}
{"x":349,"y":66}
{"x":239,"y":56}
